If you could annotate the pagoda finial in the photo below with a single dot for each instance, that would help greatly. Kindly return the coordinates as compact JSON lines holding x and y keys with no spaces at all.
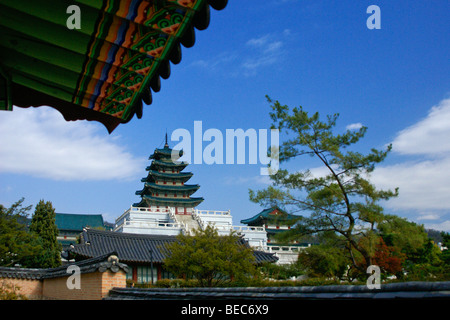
{"x":166,"y":145}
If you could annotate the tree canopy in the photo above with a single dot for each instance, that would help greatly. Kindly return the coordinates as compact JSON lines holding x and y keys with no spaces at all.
{"x":342,"y":206}
{"x":343,"y":200}
{"x":44,"y":227}
{"x":17,"y":245}
{"x":210,"y":258}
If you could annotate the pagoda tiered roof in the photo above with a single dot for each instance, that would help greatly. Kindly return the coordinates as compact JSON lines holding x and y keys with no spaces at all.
{"x":166,"y":164}
{"x":163,"y":188}
{"x":171,"y":202}
{"x":181,"y":176}
{"x":153,"y":186}
{"x":166,"y":153}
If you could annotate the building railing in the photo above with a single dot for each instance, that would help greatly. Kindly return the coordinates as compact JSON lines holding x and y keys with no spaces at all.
{"x":144,"y":210}
{"x":284,"y":249}
{"x":221,"y":227}
{"x":196,"y":215}
{"x":212,"y":212}
{"x":154,"y":225}
{"x":245,"y":229}
{"x":277,"y":227}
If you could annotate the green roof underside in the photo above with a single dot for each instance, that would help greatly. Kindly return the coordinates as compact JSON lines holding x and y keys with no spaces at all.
{"x":266,"y":216}
{"x":105,"y":71}
{"x":76,"y":222}
{"x":166,"y":153}
{"x":166,"y":164}
{"x":177,"y":189}
{"x":182,"y":176}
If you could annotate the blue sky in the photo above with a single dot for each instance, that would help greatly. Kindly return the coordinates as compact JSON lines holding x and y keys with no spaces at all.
{"x":318,"y":54}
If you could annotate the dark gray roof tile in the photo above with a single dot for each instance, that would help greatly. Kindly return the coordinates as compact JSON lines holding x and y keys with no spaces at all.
{"x":133,"y":248}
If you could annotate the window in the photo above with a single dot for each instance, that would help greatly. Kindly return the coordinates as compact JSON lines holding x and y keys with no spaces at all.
{"x":130,"y":273}
{"x":144,"y":274}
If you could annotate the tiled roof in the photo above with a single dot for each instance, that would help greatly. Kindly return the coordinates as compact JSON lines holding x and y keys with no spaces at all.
{"x":167,"y":164}
{"x":22,"y":273}
{"x":267,"y":214}
{"x":168,"y":187}
{"x":99,"y":263}
{"x":132,"y":248}
{"x":76,"y":222}
{"x":106,"y":70}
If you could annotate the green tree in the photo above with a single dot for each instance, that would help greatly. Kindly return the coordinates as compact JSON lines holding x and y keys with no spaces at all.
{"x":446,"y":243}
{"x":16,"y":244}
{"x":343,"y":200}
{"x":408,"y":236}
{"x":44,"y":227}
{"x":209,"y":258}
{"x":323,"y":261}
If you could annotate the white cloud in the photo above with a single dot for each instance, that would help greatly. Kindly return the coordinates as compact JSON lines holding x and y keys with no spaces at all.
{"x":428,"y":216}
{"x":354,"y":126}
{"x":39,"y":142}
{"x":443,"y":226}
{"x":258,"y":42}
{"x":424,"y":189}
{"x":265,"y":50}
{"x":257,"y":53}
{"x":429,"y":136}
{"x":212,"y":64}
{"x":423,"y":185}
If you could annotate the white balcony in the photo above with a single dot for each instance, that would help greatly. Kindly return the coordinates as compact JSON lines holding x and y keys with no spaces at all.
{"x":219,"y":219}
{"x":150,"y":227}
{"x":164,"y":221}
{"x":212,"y":212}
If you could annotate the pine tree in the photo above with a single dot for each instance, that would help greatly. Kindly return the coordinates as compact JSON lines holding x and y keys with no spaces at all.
{"x":343,"y":201}
{"x":44,"y":226}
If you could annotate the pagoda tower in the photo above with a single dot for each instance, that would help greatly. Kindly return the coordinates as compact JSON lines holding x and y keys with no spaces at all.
{"x":165,"y":186}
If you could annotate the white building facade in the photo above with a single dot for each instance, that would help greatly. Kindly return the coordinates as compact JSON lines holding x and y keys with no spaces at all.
{"x":143,"y":220}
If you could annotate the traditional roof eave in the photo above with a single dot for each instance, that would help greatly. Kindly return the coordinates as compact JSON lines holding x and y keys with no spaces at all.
{"x":191,"y":202}
{"x":105,"y":71}
{"x":175,"y":176}
{"x":166,"y":164}
{"x":134,"y":248}
{"x":265,"y":215}
{"x":166,"y":153}
{"x":182,"y":188}
{"x":76,"y":222}
{"x":108,"y":260}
